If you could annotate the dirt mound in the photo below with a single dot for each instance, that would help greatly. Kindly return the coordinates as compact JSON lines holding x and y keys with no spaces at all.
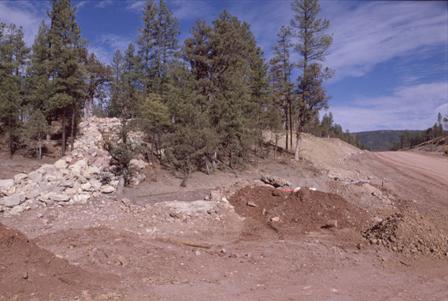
{"x":293,"y":213}
{"x":30,"y":272}
{"x":410,"y":233}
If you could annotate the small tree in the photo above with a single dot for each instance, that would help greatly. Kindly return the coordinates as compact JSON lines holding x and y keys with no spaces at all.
{"x":35,"y":131}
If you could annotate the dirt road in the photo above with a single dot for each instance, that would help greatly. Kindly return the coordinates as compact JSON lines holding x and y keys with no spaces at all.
{"x":426,"y":165}
{"x":417,"y":178}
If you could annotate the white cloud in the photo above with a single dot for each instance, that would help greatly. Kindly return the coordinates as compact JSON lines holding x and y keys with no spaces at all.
{"x":190,"y":10}
{"x":104,"y":3}
{"x":375,"y":32}
{"x":409,"y":107}
{"x":23,"y":14}
{"x":107,"y":44}
{"x":80,"y":4}
{"x":136,"y":5}
{"x":102,"y":54}
{"x":365,"y":33}
{"x":115,"y":41}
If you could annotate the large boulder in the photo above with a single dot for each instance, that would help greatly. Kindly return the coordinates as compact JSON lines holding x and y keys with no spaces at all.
{"x":60,"y":164}
{"x":107,"y":189}
{"x":78,"y":167}
{"x":12,"y":200}
{"x":20,"y":177}
{"x":59,"y":197}
{"x":5,"y":185}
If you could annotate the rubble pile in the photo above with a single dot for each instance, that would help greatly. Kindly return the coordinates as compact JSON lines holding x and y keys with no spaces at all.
{"x":75,"y":178}
{"x":410,"y":233}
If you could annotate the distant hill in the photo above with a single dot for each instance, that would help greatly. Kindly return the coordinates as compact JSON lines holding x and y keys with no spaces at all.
{"x":380,"y":140}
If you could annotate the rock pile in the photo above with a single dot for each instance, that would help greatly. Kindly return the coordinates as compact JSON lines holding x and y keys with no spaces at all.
{"x":75,"y":178}
{"x":410,"y":233}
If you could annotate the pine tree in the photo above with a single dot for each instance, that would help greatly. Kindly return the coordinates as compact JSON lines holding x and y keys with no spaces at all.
{"x":231,"y":79}
{"x":281,"y":70}
{"x":130,"y":84}
{"x":38,"y":84}
{"x":34,"y":132}
{"x":157,"y":44}
{"x":12,"y":63}
{"x":66,"y":68}
{"x":116,"y":85}
{"x":192,"y":143}
{"x":198,"y":53}
{"x":98,"y":76}
{"x":312,"y":44}
{"x":147,"y":43}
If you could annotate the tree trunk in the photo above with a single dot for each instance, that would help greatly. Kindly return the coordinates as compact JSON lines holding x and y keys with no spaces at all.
{"x":290,"y":123}
{"x":72,"y":130}
{"x":296,"y":152}
{"x":287,"y":128}
{"x":10,"y":144}
{"x":276,"y":145}
{"x":63,"y":135}
{"x":39,"y":149}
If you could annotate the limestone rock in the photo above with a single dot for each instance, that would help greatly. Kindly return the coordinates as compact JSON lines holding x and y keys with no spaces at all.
{"x":87,"y":187}
{"x":78,"y":167}
{"x":12,"y":200}
{"x":81,"y":198}
{"x":275,"y":181}
{"x":59,"y":197}
{"x":20,"y":177}
{"x":6,"y":185}
{"x":107,"y":189}
{"x":137,"y":171}
{"x":96,"y":184}
{"x":60,"y":164}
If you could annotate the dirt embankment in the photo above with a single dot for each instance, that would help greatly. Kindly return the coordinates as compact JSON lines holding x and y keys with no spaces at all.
{"x":28,"y":272}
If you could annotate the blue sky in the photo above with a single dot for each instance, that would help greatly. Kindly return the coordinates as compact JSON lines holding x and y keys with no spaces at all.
{"x":390,"y":58}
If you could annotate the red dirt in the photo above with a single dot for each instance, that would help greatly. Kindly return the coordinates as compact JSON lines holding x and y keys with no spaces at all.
{"x":297,"y":213}
{"x":29,"y":272}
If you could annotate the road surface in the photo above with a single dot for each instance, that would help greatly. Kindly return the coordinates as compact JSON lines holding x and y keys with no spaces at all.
{"x":425,"y":165}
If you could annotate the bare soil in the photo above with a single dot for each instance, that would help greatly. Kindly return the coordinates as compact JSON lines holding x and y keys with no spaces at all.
{"x":19,"y":164}
{"x":291,"y":214}
{"x":29,"y":272}
{"x":159,"y":241}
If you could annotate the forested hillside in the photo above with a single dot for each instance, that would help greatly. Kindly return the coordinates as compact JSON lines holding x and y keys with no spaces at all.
{"x":202,"y":103}
{"x":402,"y":139}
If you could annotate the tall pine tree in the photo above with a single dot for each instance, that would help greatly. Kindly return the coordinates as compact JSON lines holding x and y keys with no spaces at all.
{"x":281,"y":70}
{"x":312,"y":44}
{"x":66,"y":69}
{"x":38,"y":72}
{"x":13,"y":55}
{"x":157,"y":44}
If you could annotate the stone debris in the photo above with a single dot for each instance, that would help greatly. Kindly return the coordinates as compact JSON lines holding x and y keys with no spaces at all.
{"x":80,"y":175}
{"x":136,"y":169}
{"x":6,"y":185}
{"x":275,"y":181}
{"x":410,"y":233}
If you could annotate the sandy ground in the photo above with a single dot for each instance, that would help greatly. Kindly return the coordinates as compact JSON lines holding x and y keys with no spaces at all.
{"x":143,"y":246}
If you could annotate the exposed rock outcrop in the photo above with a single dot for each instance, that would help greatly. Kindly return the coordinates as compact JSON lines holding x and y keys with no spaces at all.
{"x":82,"y":174}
